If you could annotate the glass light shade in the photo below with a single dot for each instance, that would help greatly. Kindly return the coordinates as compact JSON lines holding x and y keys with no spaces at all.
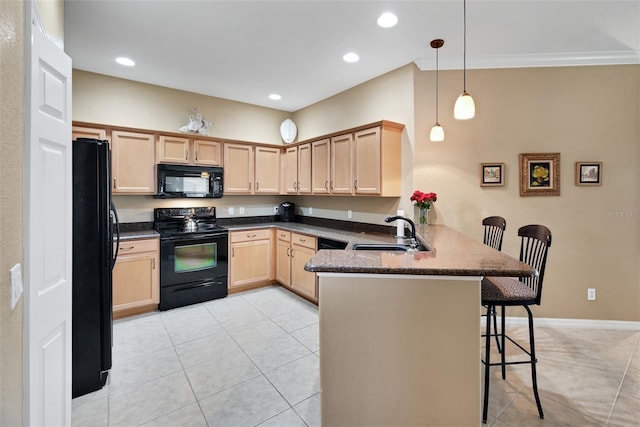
{"x":437,"y":133}
{"x":464,"y":108}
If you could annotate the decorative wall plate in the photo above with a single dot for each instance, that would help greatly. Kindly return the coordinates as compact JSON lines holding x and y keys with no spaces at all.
{"x":288,"y":131}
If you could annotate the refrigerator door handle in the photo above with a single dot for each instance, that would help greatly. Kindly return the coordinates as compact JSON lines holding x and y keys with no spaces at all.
{"x":114,"y":214}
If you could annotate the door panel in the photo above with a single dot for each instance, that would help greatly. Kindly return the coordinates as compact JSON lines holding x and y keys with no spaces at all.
{"x":48,"y":238}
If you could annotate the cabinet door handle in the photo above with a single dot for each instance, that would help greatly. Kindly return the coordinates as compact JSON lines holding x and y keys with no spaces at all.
{"x":331,"y":184}
{"x":249,"y":186}
{"x":233,"y":252}
{"x":291,"y":252}
{"x":153,"y":263}
{"x":257,"y":186}
{"x":126,"y":249}
{"x":326,"y":185}
{"x":355,"y":184}
{"x":196,"y":155}
{"x":251,"y":236}
{"x":294,"y":185}
{"x":114,"y":182}
{"x":288,"y":250}
{"x":302,"y":240}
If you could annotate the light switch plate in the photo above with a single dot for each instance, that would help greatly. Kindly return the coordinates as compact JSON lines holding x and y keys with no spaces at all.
{"x":310,"y":211}
{"x":16,"y":285}
{"x":241,"y":211}
{"x":232,"y":211}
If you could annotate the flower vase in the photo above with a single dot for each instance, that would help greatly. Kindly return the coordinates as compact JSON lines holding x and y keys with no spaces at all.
{"x":423,"y":219}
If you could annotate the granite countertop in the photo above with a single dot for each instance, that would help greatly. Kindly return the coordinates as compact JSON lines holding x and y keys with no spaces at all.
{"x":138,"y":234}
{"x":452,"y":254}
{"x":346,"y":236}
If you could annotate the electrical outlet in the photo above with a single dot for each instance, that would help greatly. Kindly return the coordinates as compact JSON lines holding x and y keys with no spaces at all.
{"x":275,"y":209}
{"x":349,"y":214}
{"x":241,"y":211}
{"x":591,"y":294}
{"x":310,"y":211}
{"x":16,"y":285}
{"x":232,"y":211}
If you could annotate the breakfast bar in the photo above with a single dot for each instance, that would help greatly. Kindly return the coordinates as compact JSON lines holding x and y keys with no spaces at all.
{"x":400,"y":331}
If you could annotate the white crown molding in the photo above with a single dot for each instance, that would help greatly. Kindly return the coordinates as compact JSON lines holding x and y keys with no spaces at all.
{"x":575,"y":323}
{"x":618,"y":57}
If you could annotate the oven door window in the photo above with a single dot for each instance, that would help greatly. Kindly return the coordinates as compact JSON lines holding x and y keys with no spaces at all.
{"x":195,"y":257}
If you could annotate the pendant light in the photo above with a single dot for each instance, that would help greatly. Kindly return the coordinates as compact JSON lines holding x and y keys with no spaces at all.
{"x":464,"y":108}
{"x":437,"y":132}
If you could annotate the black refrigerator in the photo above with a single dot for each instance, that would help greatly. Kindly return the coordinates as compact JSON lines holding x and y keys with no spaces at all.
{"x":94,"y":225}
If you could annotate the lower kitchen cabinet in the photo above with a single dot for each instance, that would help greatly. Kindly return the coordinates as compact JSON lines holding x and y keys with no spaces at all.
{"x":293,"y":252}
{"x":250,"y":258}
{"x":136,"y":277}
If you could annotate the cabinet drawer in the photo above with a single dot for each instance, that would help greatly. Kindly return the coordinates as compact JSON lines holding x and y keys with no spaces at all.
{"x":137,"y":246}
{"x":303,"y":240}
{"x":250,"y":235}
{"x":283,"y":235}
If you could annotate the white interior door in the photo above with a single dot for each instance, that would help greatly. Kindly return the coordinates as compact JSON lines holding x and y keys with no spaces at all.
{"x":48,"y":230}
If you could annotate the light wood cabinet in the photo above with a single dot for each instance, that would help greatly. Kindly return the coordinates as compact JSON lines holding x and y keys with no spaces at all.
{"x":293,"y":250}
{"x":238,"y":179}
{"x":132,"y":163}
{"x":377,"y":161}
{"x":320,"y":166}
{"x":267,"y":170}
{"x":189,"y":151}
{"x":207,"y":152}
{"x":341,"y":164}
{"x":87,"y":132}
{"x":251,"y":258}
{"x":298,"y":169}
{"x":136,"y":277}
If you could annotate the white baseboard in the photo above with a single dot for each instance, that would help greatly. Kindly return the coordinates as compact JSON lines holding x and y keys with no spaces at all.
{"x":576,"y":323}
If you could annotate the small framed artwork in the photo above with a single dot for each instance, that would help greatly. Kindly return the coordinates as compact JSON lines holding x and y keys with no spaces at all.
{"x":539,"y":174}
{"x":588,"y":173}
{"x":491,"y":174}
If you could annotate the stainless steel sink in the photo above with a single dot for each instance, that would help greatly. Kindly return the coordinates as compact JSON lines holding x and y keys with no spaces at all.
{"x":386,"y":247}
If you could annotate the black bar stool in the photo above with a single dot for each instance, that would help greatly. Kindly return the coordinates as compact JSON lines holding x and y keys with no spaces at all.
{"x":524,"y":291}
{"x":494,"y":227}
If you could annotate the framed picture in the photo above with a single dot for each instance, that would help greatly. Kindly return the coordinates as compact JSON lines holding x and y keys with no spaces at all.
{"x":539,"y":174}
{"x":588,"y":173}
{"x":491,"y":174}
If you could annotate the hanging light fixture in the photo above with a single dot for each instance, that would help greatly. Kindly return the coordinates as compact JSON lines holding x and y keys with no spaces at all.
{"x":437,"y":132}
{"x":464,"y":108}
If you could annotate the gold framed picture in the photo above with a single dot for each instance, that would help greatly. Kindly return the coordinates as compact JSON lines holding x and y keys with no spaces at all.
{"x":539,"y":174}
{"x":588,"y":173}
{"x":491,"y":174}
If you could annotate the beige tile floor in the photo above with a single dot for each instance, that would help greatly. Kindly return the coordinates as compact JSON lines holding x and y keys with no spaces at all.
{"x":252,"y":359}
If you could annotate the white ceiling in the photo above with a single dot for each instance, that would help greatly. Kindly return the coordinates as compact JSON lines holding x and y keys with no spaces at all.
{"x":246,"y":50}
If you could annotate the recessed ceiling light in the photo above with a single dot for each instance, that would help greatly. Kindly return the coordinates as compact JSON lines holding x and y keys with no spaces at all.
{"x":122,"y":60}
{"x":351,"y":57}
{"x":387,"y":20}
{"x":275,"y":97}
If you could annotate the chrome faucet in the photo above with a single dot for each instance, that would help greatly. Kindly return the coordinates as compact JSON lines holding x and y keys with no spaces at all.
{"x":414,"y":242}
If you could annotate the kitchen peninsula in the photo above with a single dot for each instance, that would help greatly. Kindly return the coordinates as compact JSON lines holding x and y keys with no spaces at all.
{"x":400,"y":331}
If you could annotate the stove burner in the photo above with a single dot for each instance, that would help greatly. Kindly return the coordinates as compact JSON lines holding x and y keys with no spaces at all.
{"x":185,"y":221}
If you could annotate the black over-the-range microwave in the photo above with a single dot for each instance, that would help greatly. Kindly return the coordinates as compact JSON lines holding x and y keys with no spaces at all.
{"x":176,"y":181}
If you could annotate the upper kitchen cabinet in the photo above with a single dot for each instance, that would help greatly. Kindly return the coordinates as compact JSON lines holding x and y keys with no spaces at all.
{"x":132,"y":163}
{"x":267,"y":170}
{"x":87,"y":132}
{"x":377,"y":160}
{"x":320,"y":166}
{"x":251,"y":169}
{"x":297,"y":169}
{"x":239,"y":178}
{"x":341,"y":164}
{"x":188,"y":151}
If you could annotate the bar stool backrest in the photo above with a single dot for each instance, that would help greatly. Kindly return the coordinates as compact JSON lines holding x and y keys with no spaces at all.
{"x":494,"y":227}
{"x":534,"y":246}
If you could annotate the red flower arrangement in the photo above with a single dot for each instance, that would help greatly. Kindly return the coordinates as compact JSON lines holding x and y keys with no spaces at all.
{"x":423,"y":200}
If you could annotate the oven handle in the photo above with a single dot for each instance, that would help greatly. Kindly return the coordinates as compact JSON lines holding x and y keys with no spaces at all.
{"x":201,"y":285}
{"x":199,"y":237}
